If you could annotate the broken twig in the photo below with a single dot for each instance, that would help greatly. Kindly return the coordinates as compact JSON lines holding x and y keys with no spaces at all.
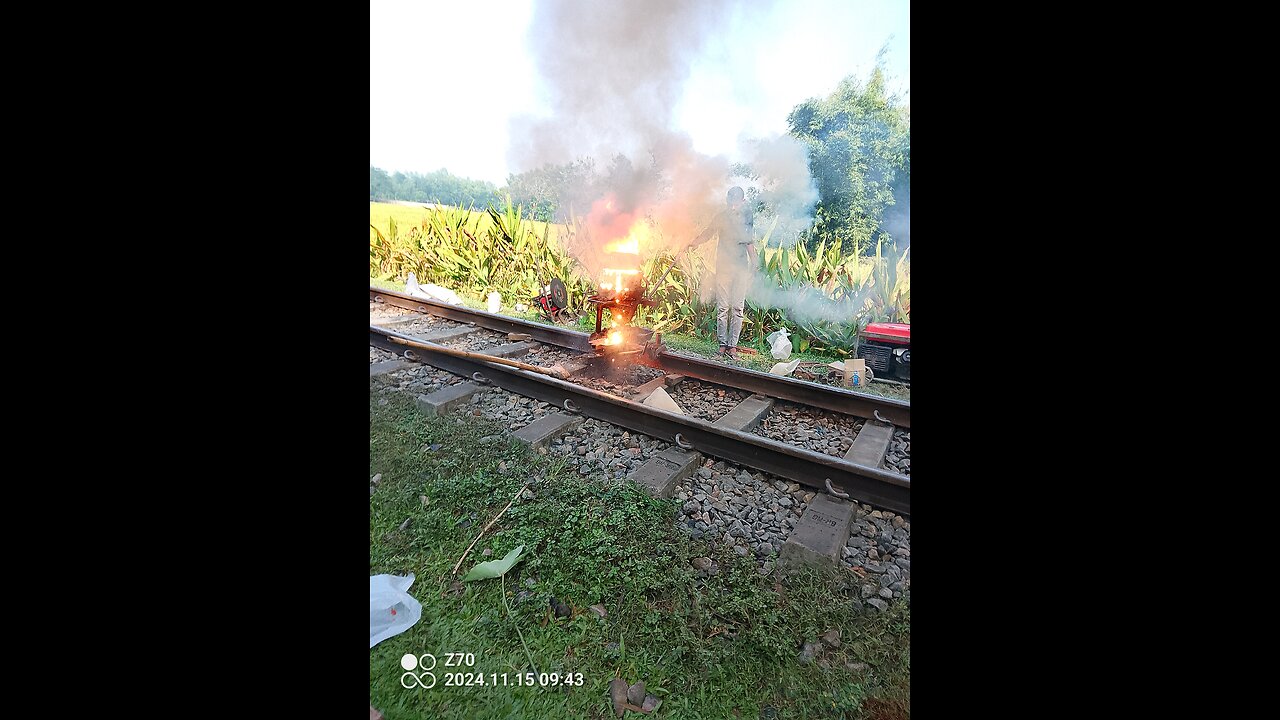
{"x":486,"y":529}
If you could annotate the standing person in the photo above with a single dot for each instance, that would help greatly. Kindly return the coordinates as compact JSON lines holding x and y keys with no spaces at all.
{"x":735,"y":257}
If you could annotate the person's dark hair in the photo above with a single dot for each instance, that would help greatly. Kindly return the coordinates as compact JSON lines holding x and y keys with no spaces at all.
{"x":736,"y":194}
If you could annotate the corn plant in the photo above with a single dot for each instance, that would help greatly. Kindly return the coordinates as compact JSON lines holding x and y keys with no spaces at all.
{"x":681,"y":307}
{"x":891,"y":285}
{"x":838,"y":338}
{"x":477,"y":252}
{"x":379,"y":255}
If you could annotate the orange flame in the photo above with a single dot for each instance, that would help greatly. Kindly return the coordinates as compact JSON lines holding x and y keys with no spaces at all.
{"x":631,"y":245}
{"x":618,"y":279}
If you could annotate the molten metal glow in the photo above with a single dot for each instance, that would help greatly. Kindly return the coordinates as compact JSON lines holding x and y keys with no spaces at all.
{"x":615,"y":337}
{"x":618,"y":283}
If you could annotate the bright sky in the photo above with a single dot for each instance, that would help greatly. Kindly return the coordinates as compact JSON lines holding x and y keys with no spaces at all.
{"x":445,"y":76}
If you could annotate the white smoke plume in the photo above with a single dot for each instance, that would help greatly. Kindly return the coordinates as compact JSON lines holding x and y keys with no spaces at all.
{"x":784,"y":185}
{"x":804,"y":304}
{"x":614,"y":72}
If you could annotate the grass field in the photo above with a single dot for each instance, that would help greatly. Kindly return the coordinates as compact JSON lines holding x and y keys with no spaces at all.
{"x":727,"y":646}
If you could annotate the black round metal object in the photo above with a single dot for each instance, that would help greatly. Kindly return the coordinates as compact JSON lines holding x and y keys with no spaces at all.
{"x":559,"y":294}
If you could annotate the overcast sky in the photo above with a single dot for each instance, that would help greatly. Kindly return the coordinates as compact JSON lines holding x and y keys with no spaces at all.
{"x":445,"y":77}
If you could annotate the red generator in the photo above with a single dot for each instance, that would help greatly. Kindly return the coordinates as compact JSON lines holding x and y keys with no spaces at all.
{"x":887,"y":349}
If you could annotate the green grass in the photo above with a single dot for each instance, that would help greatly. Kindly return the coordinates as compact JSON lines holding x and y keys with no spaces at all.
{"x":726,"y":649}
{"x":387,"y":284}
{"x":408,"y":216}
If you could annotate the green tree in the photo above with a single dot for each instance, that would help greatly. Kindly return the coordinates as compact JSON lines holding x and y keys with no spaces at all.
{"x":547,"y":193}
{"x":437,"y":187}
{"x":859,"y":140}
{"x":379,"y":185}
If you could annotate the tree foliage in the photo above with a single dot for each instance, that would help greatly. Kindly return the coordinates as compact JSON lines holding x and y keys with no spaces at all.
{"x":437,"y":187}
{"x":547,"y":193}
{"x":859,"y":140}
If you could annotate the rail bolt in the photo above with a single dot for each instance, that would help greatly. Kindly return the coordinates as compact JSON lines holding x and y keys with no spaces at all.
{"x":835,"y":492}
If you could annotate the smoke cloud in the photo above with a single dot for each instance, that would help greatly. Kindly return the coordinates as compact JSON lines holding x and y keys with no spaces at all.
{"x":784,"y":185}
{"x":897,"y":219}
{"x":804,"y":304}
{"x":614,"y":72}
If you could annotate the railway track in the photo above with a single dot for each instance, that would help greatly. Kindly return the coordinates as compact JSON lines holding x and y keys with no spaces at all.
{"x":783,"y":388}
{"x":787,"y":428}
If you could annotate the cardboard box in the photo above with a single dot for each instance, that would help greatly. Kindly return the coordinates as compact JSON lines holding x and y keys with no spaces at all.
{"x":859,"y":368}
{"x":851,"y":367}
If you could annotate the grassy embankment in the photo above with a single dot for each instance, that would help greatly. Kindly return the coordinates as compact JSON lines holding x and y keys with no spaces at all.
{"x":724,"y":649}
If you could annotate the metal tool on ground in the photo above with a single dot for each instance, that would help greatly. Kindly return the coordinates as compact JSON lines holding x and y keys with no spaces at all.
{"x":554,"y":301}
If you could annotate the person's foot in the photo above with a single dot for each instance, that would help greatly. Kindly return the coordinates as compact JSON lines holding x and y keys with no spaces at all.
{"x":726,"y":351}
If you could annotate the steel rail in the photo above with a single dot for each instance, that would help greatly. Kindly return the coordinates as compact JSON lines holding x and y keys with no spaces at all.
{"x":569,"y":339}
{"x":776,"y":386}
{"x":871,"y":485}
{"x":835,"y":399}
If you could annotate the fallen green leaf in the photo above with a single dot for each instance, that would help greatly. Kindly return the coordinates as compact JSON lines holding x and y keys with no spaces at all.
{"x":494,"y":568}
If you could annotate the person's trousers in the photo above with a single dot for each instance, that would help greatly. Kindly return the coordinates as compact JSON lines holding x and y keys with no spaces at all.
{"x":731,"y":296}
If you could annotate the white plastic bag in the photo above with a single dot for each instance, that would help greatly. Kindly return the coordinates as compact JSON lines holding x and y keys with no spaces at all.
{"x":779,"y":345}
{"x":442,"y":294}
{"x":784,"y":369}
{"x":430,"y":291}
{"x":412,"y":288}
{"x":392,"y":610}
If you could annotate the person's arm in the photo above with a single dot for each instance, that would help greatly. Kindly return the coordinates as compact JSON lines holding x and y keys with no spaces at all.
{"x":711,"y":231}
